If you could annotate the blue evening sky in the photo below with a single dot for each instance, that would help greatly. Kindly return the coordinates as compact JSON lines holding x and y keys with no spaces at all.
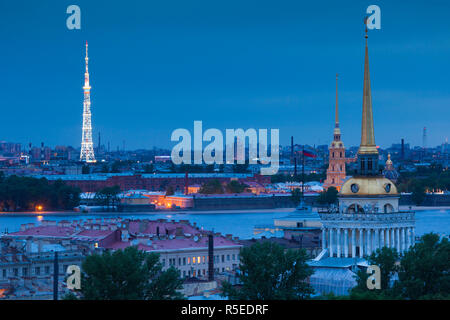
{"x":159,"y":65}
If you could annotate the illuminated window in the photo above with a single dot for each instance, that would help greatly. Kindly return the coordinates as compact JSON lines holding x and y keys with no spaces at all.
{"x":199,"y":261}
{"x":193,"y":261}
{"x":189,"y":260}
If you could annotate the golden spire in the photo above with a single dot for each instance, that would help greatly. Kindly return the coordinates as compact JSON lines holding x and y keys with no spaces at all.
{"x":337,"y":107}
{"x":367,"y":133}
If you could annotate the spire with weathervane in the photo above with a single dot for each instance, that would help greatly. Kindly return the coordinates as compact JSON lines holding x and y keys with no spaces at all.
{"x":367,"y":153}
{"x":336,"y":166}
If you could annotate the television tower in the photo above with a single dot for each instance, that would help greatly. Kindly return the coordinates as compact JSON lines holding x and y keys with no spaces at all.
{"x":87,"y":149}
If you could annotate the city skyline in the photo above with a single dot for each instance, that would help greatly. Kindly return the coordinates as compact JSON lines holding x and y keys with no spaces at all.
{"x":152,"y":79}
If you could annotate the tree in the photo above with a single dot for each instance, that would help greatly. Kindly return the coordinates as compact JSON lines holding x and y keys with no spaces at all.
{"x":385,"y":258}
{"x":296,"y":196}
{"x":240,"y":168}
{"x":149,"y":168}
{"x":25,"y":193}
{"x":85,"y":169}
{"x":236,"y":187}
{"x":268,"y":272}
{"x":418,"y":195}
{"x":424,"y":269}
{"x":212,"y":187}
{"x":128,"y":274}
{"x":329,"y":196}
{"x":108,"y":196}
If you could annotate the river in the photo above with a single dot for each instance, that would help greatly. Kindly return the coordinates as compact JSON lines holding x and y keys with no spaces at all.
{"x":239,"y":224}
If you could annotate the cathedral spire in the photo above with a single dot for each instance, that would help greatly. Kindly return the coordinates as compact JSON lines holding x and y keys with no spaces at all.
{"x":337,"y":106}
{"x":367,"y":133}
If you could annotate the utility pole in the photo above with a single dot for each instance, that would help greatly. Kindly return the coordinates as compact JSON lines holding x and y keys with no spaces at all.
{"x":55,"y":276}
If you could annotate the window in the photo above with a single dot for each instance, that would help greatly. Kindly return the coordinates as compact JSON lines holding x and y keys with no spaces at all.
{"x":189,"y":260}
{"x":203,"y":259}
{"x":179,"y":261}
{"x":16,"y":272}
{"x":47,"y":269}
{"x":193,"y":261}
{"x":223,"y":258}
{"x":184,"y":261}
{"x":199,"y":261}
{"x":38,"y":271}
{"x":234,"y":257}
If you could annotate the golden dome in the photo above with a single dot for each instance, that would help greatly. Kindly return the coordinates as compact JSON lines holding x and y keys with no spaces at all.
{"x":368,"y":186}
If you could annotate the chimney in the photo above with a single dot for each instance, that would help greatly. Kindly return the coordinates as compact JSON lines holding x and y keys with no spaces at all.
{"x":210,"y":257}
{"x":403,"y":149}
{"x":292,"y":148}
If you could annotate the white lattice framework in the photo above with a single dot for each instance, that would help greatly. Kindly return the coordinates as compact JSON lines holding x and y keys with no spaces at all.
{"x":87,"y":146}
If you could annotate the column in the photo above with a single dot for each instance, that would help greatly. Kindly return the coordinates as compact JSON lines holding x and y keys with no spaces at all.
{"x":324,"y":245}
{"x":353,"y":243}
{"x":338,"y":242}
{"x":391,"y":235}
{"x":361,"y":242}
{"x":330,"y":244}
{"x":397,"y":239}
{"x":408,"y":238}
{"x":403,"y":240}
{"x":382,"y":238}
{"x":369,"y":241}
{"x":377,"y":239}
{"x":346,"y":242}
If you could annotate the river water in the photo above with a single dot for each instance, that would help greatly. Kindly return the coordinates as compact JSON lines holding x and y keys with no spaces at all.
{"x":238,"y":224}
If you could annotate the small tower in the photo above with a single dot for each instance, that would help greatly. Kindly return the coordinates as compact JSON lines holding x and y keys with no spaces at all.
{"x":336,"y":167}
{"x":389,"y":171}
{"x":87,"y":146}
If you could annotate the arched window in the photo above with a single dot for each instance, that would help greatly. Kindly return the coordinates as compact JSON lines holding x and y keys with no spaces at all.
{"x":388,"y":208}
{"x":355,"y":208}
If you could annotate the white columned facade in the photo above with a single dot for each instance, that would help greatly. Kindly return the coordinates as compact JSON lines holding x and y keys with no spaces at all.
{"x":330,"y":244}
{"x":397,"y":239}
{"x":382,"y":238}
{"x":408,"y":238}
{"x":346,"y":242}
{"x":403,"y":240}
{"x":361,"y":242}
{"x":338,"y":241}
{"x":353,"y":243}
